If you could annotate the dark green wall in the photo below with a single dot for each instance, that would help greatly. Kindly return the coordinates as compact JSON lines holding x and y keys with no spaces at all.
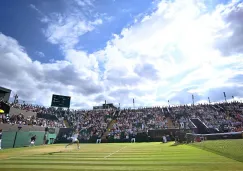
{"x":8,"y":139}
{"x":23,"y":138}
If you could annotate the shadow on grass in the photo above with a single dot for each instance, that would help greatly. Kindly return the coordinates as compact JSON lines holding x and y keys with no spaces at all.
{"x":230,"y":148}
{"x":176,"y":144}
{"x":54,"y":153}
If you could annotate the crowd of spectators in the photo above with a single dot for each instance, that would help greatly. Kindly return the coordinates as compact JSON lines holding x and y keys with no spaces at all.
{"x":88,"y":122}
{"x":27,"y":107}
{"x":46,"y":119}
{"x":212,"y":115}
{"x":128,"y":122}
{"x":131,"y":122}
{"x":223,"y":117}
{"x":91,"y":122}
{"x":20,"y":119}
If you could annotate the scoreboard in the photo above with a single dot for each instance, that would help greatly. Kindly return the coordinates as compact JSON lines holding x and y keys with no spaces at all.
{"x":60,"y":101}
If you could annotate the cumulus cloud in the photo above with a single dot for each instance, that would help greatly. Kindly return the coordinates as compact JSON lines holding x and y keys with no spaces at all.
{"x":32,"y":6}
{"x":178,"y":50}
{"x":40,"y":54}
{"x":36,"y":82}
{"x":230,"y":41}
{"x":173,"y":49}
{"x":66,"y":28}
{"x":84,"y":2}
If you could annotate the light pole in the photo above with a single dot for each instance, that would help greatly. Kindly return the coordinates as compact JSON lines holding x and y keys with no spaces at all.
{"x":209,"y":100}
{"x":225,"y":97}
{"x":19,"y":127}
{"x":133,"y":103}
{"x":192,"y":99}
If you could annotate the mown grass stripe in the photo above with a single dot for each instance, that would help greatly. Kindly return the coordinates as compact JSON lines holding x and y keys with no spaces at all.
{"x":117,"y":159}
{"x":144,"y":156}
{"x":115,"y":162}
{"x":121,"y":157}
{"x":120,"y":169}
{"x":119,"y":164}
{"x":124,"y":167}
{"x":123,"y":153}
{"x":211,"y":165}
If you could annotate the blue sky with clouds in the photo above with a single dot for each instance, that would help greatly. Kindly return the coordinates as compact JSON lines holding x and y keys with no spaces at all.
{"x":25,"y":25}
{"x":117,"y":50}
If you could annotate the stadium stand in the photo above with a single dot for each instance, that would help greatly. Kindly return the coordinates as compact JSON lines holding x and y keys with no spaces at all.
{"x":122,"y":124}
{"x":23,"y":114}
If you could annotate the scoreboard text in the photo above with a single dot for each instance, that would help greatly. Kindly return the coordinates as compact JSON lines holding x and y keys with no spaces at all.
{"x":60,"y":101}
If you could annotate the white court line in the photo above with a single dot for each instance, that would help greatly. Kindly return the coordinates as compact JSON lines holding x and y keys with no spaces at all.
{"x":115,"y":152}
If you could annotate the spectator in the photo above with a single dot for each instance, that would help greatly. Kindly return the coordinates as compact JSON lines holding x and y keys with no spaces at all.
{"x":0,"y":139}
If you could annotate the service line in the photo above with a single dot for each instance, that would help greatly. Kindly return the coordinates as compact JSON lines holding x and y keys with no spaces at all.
{"x":115,"y":152}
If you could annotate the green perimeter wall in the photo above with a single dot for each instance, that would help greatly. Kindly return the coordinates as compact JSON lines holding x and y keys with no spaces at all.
{"x":50,"y":137}
{"x":8,"y":139}
{"x":23,"y":138}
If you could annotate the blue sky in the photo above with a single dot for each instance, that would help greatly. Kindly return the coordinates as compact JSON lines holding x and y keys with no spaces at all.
{"x":117,"y":50}
{"x":25,"y":26}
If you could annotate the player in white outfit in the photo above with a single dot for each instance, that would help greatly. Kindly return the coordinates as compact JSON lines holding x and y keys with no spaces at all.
{"x":164,"y":139}
{"x":74,"y":140}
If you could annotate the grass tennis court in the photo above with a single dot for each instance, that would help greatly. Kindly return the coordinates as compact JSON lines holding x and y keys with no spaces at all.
{"x":139,"y":156}
{"x":229,"y":148}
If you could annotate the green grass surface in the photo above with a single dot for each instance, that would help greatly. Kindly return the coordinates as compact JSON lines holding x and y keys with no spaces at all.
{"x":228,"y":148}
{"x":139,"y":156}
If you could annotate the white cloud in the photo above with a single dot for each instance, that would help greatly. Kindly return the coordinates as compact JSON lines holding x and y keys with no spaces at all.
{"x":36,"y":82}
{"x":177,"y":41}
{"x":84,"y":2}
{"x":40,"y":54}
{"x":35,"y":8}
{"x":177,"y":50}
{"x":66,"y":28}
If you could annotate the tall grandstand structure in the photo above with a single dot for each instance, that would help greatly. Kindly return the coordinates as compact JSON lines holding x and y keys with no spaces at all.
{"x":5,"y":94}
{"x":119,"y":125}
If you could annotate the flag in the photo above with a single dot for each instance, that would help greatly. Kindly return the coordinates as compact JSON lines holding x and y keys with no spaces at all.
{"x":105,"y":101}
{"x":168,"y":101}
{"x":133,"y":100}
{"x":192,"y":96}
{"x":233,"y":97}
